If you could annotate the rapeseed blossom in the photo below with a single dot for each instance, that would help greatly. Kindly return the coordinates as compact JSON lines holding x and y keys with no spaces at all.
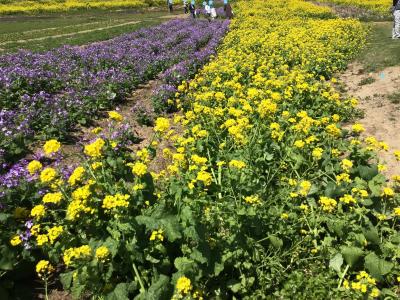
{"x":76,"y":175}
{"x":34,"y":166}
{"x":161,"y":125}
{"x":102,"y":254}
{"x":44,"y":268}
{"x":113,"y":115}
{"x":183,"y":285}
{"x":51,"y":146}
{"x":116,"y":201}
{"x":47,"y":175}
{"x":94,"y":149}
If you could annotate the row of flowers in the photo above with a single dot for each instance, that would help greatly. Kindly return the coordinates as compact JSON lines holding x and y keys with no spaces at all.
{"x":379,"y":6}
{"x":263,"y":193}
{"x":50,"y":6}
{"x":48,"y":94}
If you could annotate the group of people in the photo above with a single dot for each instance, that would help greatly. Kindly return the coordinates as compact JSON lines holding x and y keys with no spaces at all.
{"x":208,"y":7}
{"x":396,"y":14}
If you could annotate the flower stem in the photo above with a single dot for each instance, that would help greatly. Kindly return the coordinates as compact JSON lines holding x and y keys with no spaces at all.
{"x":142,"y":289}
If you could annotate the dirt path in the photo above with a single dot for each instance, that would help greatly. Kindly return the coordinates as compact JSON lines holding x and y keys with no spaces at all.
{"x":381,"y":111}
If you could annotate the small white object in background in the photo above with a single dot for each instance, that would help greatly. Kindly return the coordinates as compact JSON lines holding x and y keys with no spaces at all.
{"x":213,"y":13}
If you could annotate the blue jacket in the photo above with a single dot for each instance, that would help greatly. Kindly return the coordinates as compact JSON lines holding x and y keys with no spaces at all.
{"x":396,"y":4}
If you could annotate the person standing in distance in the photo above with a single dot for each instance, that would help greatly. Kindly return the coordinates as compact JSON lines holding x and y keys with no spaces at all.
{"x":396,"y":15}
{"x":192,"y":9}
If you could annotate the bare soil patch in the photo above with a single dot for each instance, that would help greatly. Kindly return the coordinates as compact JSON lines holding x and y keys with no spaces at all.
{"x":381,"y":116}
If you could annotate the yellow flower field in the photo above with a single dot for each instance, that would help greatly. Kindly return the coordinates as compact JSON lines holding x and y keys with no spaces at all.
{"x":381,"y":6}
{"x":257,"y":193}
{"x":51,"y":6}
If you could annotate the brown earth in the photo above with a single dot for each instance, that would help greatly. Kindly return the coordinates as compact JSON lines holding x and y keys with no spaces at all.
{"x":381,"y":116}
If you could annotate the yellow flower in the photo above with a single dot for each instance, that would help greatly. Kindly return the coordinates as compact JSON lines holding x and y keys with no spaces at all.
{"x":97,"y":130}
{"x":333,"y":130}
{"x":138,"y":168}
{"x":15,"y":240}
{"x":157,"y":235}
{"x":199,"y":160}
{"x":138,"y":187}
{"x":38,"y":212}
{"x":344,"y":177}
{"x":47,"y":175}
{"x":34,"y":166}
{"x":381,"y":217}
{"x":397,"y":211}
{"x":346,"y":284}
{"x":205,"y":177}
{"x":52,"y":198}
{"x":183,"y":285}
{"x":387,"y":192}
{"x":317,"y":153}
{"x":252,"y":199}
{"x":358,"y":128}
{"x":328,"y":204}
{"x":94,"y":149}
{"x":54,"y":233}
{"x":42,"y":239}
{"x":102,"y":254}
{"x":35,"y":229}
{"x":96,"y":165}
{"x":76,"y":176}
{"x":299,"y":144}
{"x":238,"y":164}
{"x":267,"y":108}
{"x":113,"y":115}
{"x":80,"y":253}
{"x":143,"y":155}
{"x":44,"y":268}
{"x":346,"y":165}
{"x":375,"y":293}
{"x":348,"y":199}
{"x":304,"y":207}
{"x":305,"y":187}
{"x":335,"y":152}
{"x":335,"y":118}
{"x":119,"y":200}
{"x":284,"y":216}
{"x":161,"y":125}
{"x":51,"y":146}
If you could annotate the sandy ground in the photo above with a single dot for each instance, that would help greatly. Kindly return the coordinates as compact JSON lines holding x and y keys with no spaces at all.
{"x":381,"y":116}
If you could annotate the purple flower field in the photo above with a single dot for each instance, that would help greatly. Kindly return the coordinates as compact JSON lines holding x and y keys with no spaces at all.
{"x":47,"y":94}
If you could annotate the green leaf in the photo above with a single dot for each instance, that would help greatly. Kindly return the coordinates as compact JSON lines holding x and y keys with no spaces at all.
{"x":336,"y":263}
{"x":184,"y":264}
{"x":235,"y":286}
{"x":198,"y":256}
{"x":4,"y":217}
{"x":351,"y":254}
{"x":377,"y":266}
{"x":120,"y":292}
{"x":172,"y":228}
{"x":160,"y":289}
{"x":7,"y":258}
{"x":375,"y":184}
{"x":368,"y":173}
{"x":218,"y":268}
{"x":66,"y":279}
{"x":372,"y":235}
{"x":275,"y":241}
